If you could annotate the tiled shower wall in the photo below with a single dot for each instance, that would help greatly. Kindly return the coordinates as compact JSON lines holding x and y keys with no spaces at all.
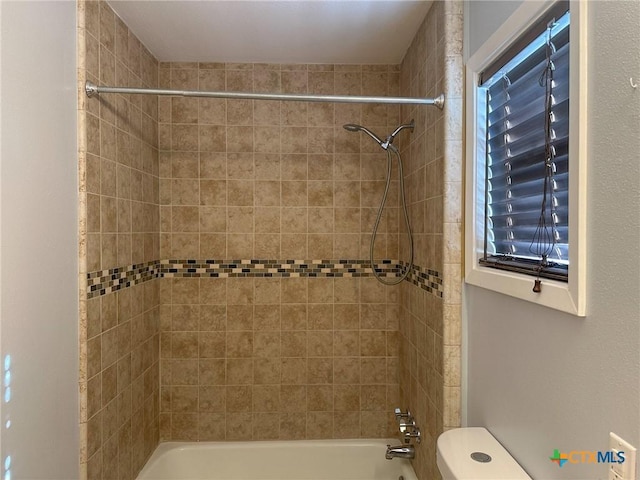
{"x":430,"y":333}
{"x":276,"y":334}
{"x":119,"y":227}
{"x":262,"y":179}
{"x":279,"y":357}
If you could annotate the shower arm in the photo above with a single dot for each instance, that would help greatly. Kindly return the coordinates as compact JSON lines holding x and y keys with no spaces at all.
{"x":91,"y":90}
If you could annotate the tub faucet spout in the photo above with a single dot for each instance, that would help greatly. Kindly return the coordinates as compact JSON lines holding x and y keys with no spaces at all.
{"x":400,"y":451}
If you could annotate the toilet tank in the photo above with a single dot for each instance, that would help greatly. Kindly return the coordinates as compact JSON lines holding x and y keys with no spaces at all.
{"x":474,"y":454}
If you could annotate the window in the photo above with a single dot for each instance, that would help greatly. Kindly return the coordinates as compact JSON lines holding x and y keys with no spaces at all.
{"x":525,"y":106}
{"x":525,"y":223}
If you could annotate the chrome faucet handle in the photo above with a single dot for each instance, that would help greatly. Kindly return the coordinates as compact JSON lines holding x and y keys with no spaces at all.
{"x":400,"y":414}
{"x":409,"y":423}
{"x":413,"y":433}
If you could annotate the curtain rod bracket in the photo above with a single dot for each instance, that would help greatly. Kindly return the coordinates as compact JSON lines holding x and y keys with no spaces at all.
{"x":91,"y":90}
{"x":439,"y":101}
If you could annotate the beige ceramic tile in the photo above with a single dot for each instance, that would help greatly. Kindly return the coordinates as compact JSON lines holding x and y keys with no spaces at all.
{"x":307,"y":200}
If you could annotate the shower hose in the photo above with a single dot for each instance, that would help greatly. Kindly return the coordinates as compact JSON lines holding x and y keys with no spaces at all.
{"x":409,"y":266}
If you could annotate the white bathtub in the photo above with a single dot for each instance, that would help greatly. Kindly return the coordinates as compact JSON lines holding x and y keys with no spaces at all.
{"x":277,"y":460}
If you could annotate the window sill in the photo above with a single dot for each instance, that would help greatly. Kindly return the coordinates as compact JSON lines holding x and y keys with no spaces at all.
{"x":555,"y":294}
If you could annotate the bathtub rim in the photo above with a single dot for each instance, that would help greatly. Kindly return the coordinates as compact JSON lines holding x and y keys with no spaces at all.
{"x":167,"y":447}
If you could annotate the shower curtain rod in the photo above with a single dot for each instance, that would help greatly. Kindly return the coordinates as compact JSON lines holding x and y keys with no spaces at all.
{"x":92,"y":89}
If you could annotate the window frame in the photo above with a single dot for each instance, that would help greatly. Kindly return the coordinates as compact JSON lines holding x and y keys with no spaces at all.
{"x":564,"y":296}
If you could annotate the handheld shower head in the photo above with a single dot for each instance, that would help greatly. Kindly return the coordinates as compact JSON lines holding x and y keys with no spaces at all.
{"x":351,"y":127}
{"x":385,"y":144}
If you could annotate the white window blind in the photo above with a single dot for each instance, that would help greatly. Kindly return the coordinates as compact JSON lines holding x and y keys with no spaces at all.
{"x":525,"y":99}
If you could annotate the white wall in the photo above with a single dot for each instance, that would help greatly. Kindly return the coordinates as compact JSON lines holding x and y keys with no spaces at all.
{"x":487,"y":16}
{"x":542,"y":380}
{"x":38,"y":198}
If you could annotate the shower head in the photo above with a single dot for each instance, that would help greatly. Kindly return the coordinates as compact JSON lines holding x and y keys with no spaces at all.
{"x":386,"y":144}
{"x":410,"y":125}
{"x":351,"y":127}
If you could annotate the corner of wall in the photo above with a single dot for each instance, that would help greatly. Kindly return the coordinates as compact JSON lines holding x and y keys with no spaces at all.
{"x":430,"y":328}
{"x":118,"y":234}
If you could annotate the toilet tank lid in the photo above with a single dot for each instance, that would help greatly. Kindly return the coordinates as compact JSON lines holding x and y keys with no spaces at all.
{"x":454,"y":454}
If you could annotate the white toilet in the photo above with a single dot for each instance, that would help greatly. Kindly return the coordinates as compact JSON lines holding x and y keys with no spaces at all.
{"x":474,"y":454}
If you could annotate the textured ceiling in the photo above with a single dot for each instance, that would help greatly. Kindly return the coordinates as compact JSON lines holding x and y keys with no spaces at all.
{"x":317,"y":31}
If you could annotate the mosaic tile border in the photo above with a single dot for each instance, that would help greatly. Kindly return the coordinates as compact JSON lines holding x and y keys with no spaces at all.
{"x":108,"y":281}
{"x":429,"y":280}
{"x":275,"y":268}
{"x":104,"y":282}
